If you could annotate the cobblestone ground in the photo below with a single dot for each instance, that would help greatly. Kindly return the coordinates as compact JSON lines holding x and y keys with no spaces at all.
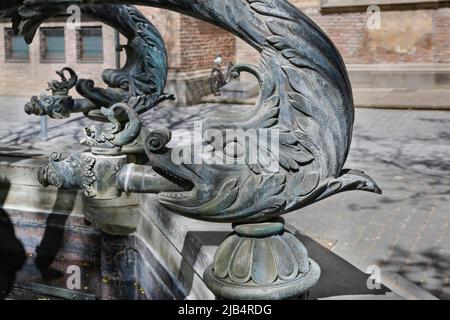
{"x":407,"y":152}
{"x":407,"y":228}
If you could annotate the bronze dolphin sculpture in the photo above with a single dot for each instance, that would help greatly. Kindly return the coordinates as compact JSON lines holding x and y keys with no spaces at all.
{"x":305,"y":97}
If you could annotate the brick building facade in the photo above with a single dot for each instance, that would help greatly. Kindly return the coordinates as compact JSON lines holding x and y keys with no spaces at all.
{"x":408,"y":50}
{"x":192,"y":46}
{"x":28,"y":76}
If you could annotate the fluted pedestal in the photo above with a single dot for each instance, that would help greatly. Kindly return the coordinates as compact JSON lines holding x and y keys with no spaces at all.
{"x":262,"y":261}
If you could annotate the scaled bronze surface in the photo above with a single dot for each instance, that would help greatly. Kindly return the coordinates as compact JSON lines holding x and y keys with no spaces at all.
{"x":305,"y":96}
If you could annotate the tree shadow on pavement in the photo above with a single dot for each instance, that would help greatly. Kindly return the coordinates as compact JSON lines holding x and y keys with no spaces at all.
{"x":413,"y":267}
{"x":339,"y":278}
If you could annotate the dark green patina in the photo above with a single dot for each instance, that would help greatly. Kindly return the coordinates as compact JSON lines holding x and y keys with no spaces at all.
{"x":305,"y":95}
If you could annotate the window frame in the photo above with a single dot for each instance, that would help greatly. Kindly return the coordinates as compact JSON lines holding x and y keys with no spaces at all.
{"x":79,"y":40}
{"x":43,"y":58}
{"x":8,"y":46}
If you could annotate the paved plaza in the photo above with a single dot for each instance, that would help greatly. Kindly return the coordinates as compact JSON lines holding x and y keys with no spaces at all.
{"x":405,"y":230}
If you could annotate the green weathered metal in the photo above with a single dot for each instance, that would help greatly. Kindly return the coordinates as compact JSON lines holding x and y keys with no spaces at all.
{"x":262,"y":261}
{"x":305,"y":97}
{"x":143,"y":77}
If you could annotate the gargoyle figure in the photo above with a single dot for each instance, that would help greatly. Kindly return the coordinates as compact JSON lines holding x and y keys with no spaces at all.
{"x":75,"y":170}
{"x":60,"y":104}
{"x":140,"y":82}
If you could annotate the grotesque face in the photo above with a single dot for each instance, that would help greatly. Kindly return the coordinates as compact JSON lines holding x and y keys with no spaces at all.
{"x":56,"y":107}
{"x":70,"y":172}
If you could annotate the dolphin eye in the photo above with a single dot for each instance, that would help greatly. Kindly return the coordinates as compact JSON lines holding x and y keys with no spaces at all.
{"x":234,"y":150}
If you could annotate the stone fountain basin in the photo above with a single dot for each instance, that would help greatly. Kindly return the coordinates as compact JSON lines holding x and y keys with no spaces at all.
{"x":144,"y":251}
{"x":44,"y":232}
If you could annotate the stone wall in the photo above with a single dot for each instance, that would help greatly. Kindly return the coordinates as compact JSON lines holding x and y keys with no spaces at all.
{"x":411,"y":50}
{"x":406,"y":36}
{"x":441,"y":35}
{"x":192,"y":46}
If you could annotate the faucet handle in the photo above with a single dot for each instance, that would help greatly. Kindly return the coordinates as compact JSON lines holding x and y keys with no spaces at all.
{"x":62,"y":88}
{"x":108,"y":139}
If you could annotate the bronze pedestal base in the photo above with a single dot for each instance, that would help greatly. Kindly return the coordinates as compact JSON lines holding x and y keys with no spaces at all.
{"x":262,"y":261}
